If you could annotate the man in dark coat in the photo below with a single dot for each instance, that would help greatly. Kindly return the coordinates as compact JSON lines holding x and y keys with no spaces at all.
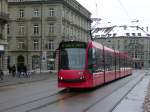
{"x":13,"y":70}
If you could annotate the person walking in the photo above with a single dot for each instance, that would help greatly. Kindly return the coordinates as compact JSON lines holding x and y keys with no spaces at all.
{"x":25,"y":70}
{"x":9,"y":69}
{"x":18,"y":70}
{"x":14,"y":70}
{"x":1,"y":74}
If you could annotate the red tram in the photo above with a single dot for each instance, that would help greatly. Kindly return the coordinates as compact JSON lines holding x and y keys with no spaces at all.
{"x":86,"y":65}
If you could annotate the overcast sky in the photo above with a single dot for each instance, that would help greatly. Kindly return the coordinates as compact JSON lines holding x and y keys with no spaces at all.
{"x":119,"y":11}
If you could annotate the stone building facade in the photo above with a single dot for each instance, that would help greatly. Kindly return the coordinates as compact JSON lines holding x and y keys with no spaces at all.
{"x":131,"y":39}
{"x":3,"y":33}
{"x":37,"y":27}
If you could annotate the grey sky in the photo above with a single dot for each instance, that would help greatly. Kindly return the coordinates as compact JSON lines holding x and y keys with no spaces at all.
{"x":119,"y":11}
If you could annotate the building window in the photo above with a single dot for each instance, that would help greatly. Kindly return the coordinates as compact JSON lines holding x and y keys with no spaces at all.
{"x":136,"y":56}
{"x":21,"y":30}
{"x":21,"y":44}
{"x":20,"y":60}
{"x":109,"y":35}
{"x":20,"y":0}
{"x":8,"y":29}
{"x":118,"y":44}
{"x":71,"y":16}
{"x":71,"y":32}
{"x":51,"y":28}
{"x":51,"y":12}
{"x":133,"y":34}
{"x":36,"y":29}
{"x":139,"y":34}
{"x":114,"y":34}
{"x":21,"y":13}
{"x":35,"y":62}
{"x":36,"y":12}
{"x":35,"y":44}
{"x":50,"y":44}
{"x":127,"y":34}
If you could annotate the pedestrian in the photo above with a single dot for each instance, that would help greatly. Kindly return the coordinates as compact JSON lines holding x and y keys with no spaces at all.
{"x":14,"y":70}
{"x":25,"y":70}
{"x":19,"y":70}
{"x":9,"y":69}
{"x":28,"y":71}
{"x":1,"y":74}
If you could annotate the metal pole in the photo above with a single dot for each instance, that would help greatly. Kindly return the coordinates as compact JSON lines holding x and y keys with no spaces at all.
{"x":27,"y":44}
{"x":41,"y":39}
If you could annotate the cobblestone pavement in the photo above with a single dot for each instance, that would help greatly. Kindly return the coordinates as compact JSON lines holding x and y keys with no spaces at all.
{"x":9,"y":80}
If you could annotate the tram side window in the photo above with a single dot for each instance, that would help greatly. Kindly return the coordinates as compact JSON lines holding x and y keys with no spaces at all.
{"x":125,"y":63}
{"x":117,"y":63}
{"x":99,"y":67}
{"x":95,"y":60}
{"x":122,"y":62}
{"x":108,"y":61}
{"x":113,"y":62}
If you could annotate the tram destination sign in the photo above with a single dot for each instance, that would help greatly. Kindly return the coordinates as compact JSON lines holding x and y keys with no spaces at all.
{"x":73,"y":45}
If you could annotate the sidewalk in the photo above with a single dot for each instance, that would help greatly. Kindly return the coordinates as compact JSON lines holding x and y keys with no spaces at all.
{"x":147,"y":100}
{"x":35,"y":76}
{"x":134,"y":100}
{"x":138,"y":99}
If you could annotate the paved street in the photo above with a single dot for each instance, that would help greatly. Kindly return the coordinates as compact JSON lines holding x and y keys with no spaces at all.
{"x":43,"y":95}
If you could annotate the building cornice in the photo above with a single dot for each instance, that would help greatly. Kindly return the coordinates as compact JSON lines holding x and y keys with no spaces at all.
{"x":73,"y":4}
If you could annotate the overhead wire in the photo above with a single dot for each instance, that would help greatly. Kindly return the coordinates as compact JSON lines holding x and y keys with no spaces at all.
{"x":125,"y":10}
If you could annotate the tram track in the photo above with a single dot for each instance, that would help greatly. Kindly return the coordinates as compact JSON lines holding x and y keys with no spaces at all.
{"x":58,"y":96}
{"x":35,"y":93}
{"x":85,"y":109}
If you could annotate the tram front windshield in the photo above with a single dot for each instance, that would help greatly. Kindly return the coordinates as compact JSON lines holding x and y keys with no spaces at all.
{"x":72,"y":59}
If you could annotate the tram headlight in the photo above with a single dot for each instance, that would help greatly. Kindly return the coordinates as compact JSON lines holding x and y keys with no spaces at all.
{"x":82,"y":77}
{"x":61,"y":78}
